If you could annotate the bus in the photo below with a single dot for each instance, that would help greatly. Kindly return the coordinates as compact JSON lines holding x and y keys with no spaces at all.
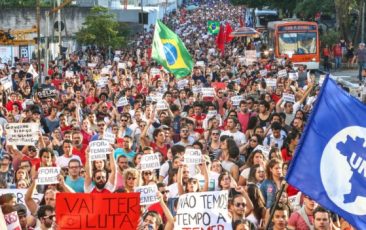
{"x":296,"y":40}
{"x":263,"y":17}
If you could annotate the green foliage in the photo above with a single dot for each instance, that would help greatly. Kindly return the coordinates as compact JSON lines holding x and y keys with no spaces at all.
{"x":101,"y":28}
{"x":330,"y":37}
{"x":24,"y":3}
{"x":308,"y":8}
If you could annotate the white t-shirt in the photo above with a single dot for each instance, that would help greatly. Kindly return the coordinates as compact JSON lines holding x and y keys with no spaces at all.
{"x":238,"y":137}
{"x":63,"y":161}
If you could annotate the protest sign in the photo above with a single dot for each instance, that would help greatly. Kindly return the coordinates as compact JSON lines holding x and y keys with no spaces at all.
{"x":20,"y":194}
{"x":122,"y":101}
{"x":104,"y":71}
{"x":196,"y":89}
{"x":263,"y":72}
{"x":271,"y":82}
{"x":294,"y":201}
{"x":44,"y":93}
{"x":147,"y":194}
{"x":154,"y":72}
{"x":102,"y":82}
{"x":203,"y":210}
{"x":97,"y":211}
{"x":98,"y":150}
{"x":182,"y":83}
{"x":122,"y":65}
{"x":218,"y":85}
{"x":250,"y":57}
{"x":161,"y":105}
{"x":92,"y":65}
{"x":7,"y":83}
{"x":282,"y":73}
{"x":288,"y":97}
{"x":208,"y":92}
{"x":192,"y":156}
{"x":21,"y":133}
{"x":117,"y":52}
{"x":69,"y":74}
{"x":236,"y":100}
{"x":12,"y":221}
{"x":116,"y":59}
{"x":211,"y":113}
{"x":150,"y":162}
{"x":265,"y":150}
{"x":200,"y":63}
{"x":293,"y":76}
{"x":110,"y":137}
{"x":48,"y":175}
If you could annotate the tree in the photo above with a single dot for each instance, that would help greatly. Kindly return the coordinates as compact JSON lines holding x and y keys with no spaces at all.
{"x":101,"y":29}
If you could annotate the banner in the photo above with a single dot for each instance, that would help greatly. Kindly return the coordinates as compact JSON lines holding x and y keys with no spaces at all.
{"x":203,"y":210}
{"x":97,"y":211}
{"x":48,"y":175}
{"x":21,"y":133}
{"x":192,"y":156}
{"x":147,"y":194}
{"x":150,"y":162}
{"x":98,"y":150}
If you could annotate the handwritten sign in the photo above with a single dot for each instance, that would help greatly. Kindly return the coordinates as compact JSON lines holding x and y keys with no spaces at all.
{"x":208,"y":92}
{"x":200,"y":63}
{"x":98,"y":150}
{"x":20,"y":195}
{"x":196,"y":89}
{"x":104,"y":71}
{"x":154,"y":72}
{"x":92,"y":65}
{"x":211,"y":113}
{"x":288,"y":97}
{"x":102,"y":82}
{"x":271,"y":82}
{"x":110,"y":137}
{"x":21,"y":133}
{"x":182,"y":83}
{"x":122,"y":101}
{"x":12,"y":221}
{"x":97,"y":211}
{"x":48,"y":175}
{"x":69,"y":74}
{"x":203,"y":210}
{"x":7,"y":83}
{"x":44,"y":93}
{"x":192,"y":156}
{"x":161,"y":105}
{"x":236,"y":100}
{"x":122,"y":65}
{"x":293,"y":76}
{"x":282,"y":73}
{"x":150,"y":162}
{"x":147,"y":194}
{"x":263,"y":72}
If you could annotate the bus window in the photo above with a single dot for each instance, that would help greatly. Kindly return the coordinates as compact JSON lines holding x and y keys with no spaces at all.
{"x":297,"y":43}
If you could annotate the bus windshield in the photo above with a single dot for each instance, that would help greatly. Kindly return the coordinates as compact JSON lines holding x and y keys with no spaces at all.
{"x":297,"y":43}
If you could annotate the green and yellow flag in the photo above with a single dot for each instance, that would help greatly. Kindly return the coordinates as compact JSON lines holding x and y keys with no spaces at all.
{"x":213,"y":27}
{"x":169,"y":51}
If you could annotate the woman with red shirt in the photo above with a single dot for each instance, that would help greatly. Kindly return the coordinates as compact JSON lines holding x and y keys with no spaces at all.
{"x":289,"y":146}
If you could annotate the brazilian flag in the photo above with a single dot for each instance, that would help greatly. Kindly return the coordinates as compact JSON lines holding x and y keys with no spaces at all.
{"x":169,"y":51}
{"x":213,"y":27}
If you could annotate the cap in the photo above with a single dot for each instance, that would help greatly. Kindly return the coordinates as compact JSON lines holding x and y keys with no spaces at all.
{"x":21,"y":209}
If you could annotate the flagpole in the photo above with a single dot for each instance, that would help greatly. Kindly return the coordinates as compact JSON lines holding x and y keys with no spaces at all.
{"x":273,"y":208}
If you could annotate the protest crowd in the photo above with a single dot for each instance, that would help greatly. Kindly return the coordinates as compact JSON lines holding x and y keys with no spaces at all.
{"x":209,"y":149}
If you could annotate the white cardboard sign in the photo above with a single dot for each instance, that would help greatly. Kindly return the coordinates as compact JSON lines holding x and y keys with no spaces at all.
{"x":48,"y":175}
{"x":208,"y":92}
{"x":98,"y":150}
{"x":288,"y":97}
{"x":147,"y":194}
{"x":150,"y":162}
{"x":192,"y":156}
{"x":21,"y":133}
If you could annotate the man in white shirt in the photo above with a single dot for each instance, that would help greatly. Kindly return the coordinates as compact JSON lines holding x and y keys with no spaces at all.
{"x":232,"y":131}
{"x":63,"y":161}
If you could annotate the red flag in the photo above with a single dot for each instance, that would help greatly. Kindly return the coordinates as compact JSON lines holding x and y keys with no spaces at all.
{"x":220,"y":39}
{"x":228,"y":32}
{"x":241,"y":21}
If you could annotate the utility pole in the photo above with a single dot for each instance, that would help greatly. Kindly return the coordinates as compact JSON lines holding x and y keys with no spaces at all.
{"x":363,"y":22}
{"x":38,"y":9}
{"x":142,"y":17}
{"x":59,"y":28}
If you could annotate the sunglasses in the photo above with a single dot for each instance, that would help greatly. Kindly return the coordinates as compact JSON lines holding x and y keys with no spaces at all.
{"x":100,"y":125}
{"x":240,"y":204}
{"x":164,"y":192}
{"x":51,"y":217}
{"x":147,"y":173}
{"x":100,"y":177}
{"x":131,"y":178}
{"x":216,"y":134}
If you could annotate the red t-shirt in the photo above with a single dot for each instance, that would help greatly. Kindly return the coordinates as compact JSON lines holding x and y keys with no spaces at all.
{"x":163,"y":150}
{"x":157,"y":208}
{"x":80,"y":153}
{"x":105,"y":191}
{"x":285,"y":156}
{"x":199,"y":120}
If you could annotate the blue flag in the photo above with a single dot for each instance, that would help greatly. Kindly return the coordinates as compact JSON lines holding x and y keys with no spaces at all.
{"x":330,"y":161}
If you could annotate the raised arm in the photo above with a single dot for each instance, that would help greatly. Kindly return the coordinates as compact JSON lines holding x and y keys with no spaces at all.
{"x":88,"y":176}
{"x":112,"y":163}
{"x":180,"y":180}
{"x":28,"y":198}
{"x":205,"y":174}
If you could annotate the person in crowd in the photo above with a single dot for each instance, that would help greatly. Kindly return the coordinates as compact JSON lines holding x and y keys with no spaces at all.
{"x":73,"y":179}
{"x":303,"y":219}
{"x":322,"y":219}
{"x":272,"y":183}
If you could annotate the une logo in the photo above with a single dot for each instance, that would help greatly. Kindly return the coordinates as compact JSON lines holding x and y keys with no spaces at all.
{"x":345,"y":178}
